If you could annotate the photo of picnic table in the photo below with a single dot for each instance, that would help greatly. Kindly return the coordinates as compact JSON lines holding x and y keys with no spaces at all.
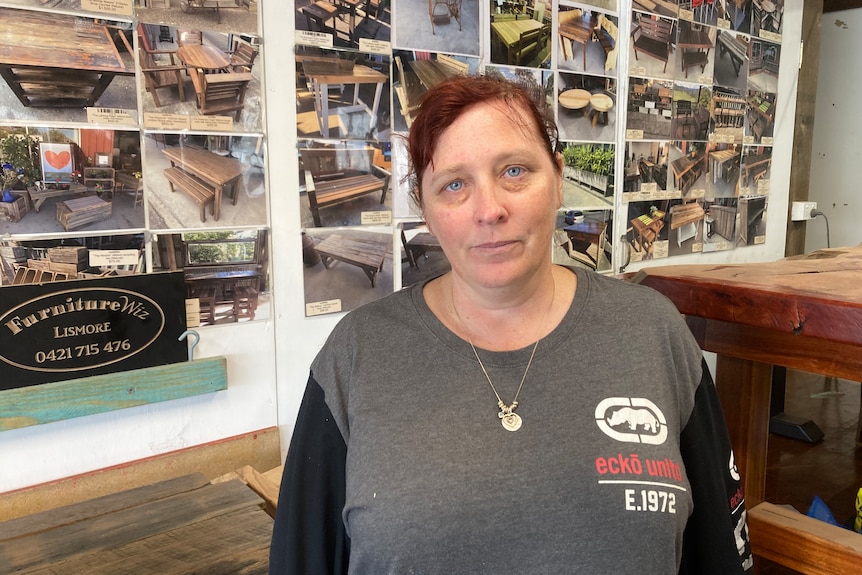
{"x":367,"y":253}
{"x":55,"y":60}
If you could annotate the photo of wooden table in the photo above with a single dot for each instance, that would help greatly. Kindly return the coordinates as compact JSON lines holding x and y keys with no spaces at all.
{"x":39,"y":195}
{"x":686,"y":171}
{"x":79,"y":212}
{"x":508,"y":32}
{"x":801,"y":312}
{"x":180,"y":525}
{"x":323,"y":73}
{"x":54,"y":60}
{"x":366,"y":251}
{"x":601,"y":104}
{"x":576,"y":99}
{"x":593,"y":234}
{"x":220,"y":172}
{"x":579,"y":29}
{"x":226,"y":295}
{"x":203,"y":57}
{"x":719,"y":159}
{"x":695,"y":45}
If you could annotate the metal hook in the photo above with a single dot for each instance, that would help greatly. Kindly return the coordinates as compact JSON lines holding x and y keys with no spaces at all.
{"x":197,"y":338}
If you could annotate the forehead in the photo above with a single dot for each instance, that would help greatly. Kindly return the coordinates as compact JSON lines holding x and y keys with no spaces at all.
{"x":487,"y":124}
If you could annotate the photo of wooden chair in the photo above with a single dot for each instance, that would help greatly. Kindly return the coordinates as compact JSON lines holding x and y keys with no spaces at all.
{"x":243,"y":56}
{"x":220,"y":93}
{"x":161,"y":74}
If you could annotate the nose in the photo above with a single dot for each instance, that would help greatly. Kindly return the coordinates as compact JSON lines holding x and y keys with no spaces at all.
{"x":490,"y":206}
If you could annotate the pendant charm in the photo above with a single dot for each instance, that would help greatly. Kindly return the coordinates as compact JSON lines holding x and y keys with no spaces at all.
{"x":510,"y":421}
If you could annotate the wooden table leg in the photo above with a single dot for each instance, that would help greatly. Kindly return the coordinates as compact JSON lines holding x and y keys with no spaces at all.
{"x":744,"y":388}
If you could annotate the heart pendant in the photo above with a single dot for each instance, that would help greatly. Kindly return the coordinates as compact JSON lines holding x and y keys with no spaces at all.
{"x":511,"y":422}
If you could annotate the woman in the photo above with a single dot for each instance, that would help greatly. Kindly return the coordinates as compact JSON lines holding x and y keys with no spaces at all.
{"x":510,"y":416}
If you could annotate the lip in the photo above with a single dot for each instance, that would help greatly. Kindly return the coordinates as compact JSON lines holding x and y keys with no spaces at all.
{"x":493,"y":247}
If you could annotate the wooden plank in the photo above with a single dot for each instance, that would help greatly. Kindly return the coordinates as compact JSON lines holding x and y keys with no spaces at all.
{"x":59,"y":400}
{"x":104,"y":505}
{"x":130,"y":524}
{"x":802,"y":543}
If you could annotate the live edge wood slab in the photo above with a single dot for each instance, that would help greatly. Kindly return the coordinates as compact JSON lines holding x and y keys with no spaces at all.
{"x":802,"y":312}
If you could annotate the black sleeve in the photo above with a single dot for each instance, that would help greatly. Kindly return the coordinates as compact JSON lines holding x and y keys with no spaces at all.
{"x":716,"y":536}
{"x":309,"y":537}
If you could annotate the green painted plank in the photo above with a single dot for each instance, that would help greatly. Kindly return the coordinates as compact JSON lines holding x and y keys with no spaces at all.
{"x":59,"y":400}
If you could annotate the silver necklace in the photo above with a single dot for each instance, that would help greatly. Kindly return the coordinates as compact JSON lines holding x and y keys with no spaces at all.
{"x":511,"y":421}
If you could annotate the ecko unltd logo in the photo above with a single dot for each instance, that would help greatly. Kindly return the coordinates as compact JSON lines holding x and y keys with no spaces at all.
{"x":632,"y":420}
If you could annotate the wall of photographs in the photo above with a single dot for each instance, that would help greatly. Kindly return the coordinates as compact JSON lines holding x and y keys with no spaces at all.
{"x":139,"y":137}
{"x":666,"y":110}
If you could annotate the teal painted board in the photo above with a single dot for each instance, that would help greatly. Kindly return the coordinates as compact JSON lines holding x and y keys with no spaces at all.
{"x":59,"y":400}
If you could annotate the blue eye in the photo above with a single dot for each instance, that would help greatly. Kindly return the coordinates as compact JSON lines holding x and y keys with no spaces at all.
{"x":514,"y":171}
{"x":455,"y":186}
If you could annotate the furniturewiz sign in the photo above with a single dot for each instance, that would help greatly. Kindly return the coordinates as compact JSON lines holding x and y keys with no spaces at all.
{"x":65,"y":330}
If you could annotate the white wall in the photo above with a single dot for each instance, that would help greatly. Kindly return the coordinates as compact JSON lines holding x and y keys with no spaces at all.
{"x":837,"y":149}
{"x":268,"y":360}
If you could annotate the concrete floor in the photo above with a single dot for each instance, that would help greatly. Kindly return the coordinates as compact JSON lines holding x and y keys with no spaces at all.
{"x":413,"y":28}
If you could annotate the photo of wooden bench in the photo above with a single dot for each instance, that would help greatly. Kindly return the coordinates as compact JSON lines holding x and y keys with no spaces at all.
{"x":202,"y":193}
{"x":653,"y":37}
{"x":336,"y":175}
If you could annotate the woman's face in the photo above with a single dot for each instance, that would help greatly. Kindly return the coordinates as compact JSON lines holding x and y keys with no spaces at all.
{"x":490,"y":196}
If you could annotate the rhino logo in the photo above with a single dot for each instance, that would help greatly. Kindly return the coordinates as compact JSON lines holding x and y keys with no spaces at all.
{"x":632,"y":420}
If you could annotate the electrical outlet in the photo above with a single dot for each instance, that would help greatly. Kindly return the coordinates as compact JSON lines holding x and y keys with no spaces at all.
{"x":801,"y":211}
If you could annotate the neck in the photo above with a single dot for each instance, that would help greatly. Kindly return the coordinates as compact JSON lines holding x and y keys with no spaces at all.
{"x":499,"y":319}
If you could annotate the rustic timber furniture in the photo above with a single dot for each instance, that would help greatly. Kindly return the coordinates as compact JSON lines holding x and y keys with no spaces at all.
{"x":441,"y":11}
{"x":576,"y":28}
{"x":79,"y":212}
{"x":201,"y":174}
{"x":160,"y":73}
{"x":508,"y":33}
{"x":653,"y":37}
{"x":129,"y":183}
{"x":325,"y":72}
{"x":687,"y":169}
{"x":647,"y":229}
{"x":180,"y":525}
{"x":735,"y":47}
{"x":589,"y":233}
{"x":684,"y":219}
{"x":695,"y":44}
{"x":14,"y":211}
{"x":333,"y":176}
{"x":243,"y":56}
{"x":221,"y":93}
{"x":226,"y":293}
{"x":754,"y":167}
{"x":607,"y":33}
{"x":420,"y":242}
{"x":366,"y":251}
{"x":39,"y":194}
{"x":46,"y":65}
{"x":318,"y":13}
{"x":801,"y":312}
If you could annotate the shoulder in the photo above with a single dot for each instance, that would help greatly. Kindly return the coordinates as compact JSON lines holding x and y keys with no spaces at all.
{"x":626,"y":295}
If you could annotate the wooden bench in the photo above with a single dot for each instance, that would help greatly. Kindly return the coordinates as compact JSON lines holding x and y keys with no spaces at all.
{"x":195,"y":188}
{"x":607,"y":33}
{"x":336,"y":175}
{"x":653,"y":38}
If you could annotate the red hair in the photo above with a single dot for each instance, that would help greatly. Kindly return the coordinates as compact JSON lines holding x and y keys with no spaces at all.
{"x":445,"y":102}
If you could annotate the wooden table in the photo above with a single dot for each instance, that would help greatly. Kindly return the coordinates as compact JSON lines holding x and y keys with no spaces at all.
{"x":509,"y":33}
{"x":730,"y":44}
{"x":695,"y":45}
{"x":319,"y":13}
{"x":323,"y":73}
{"x":719,"y":158}
{"x":203,"y":57}
{"x":431,"y":72}
{"x":39,"y":195}
{"x":79,"y":212}
{"x":686,"y":171}
{"x":579,"y":29}
{"x":212,"y":286}
{"x":601,"y":105}
{"x":219,"y":171}
{"x":754,"y":166}
{"x":647,"y":229}
{"x":684,"y":219}
{"x":591,"y":232}
{"x":802,"y":312}
{"x":54,"y":60}
{"x":351,"y":6}
{"x":576,"y":99}
{"x":367,"y":251}
{"x":182,"y":525}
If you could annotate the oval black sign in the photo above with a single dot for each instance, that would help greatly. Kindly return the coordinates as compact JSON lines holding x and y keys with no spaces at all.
{"x":79,"y":329}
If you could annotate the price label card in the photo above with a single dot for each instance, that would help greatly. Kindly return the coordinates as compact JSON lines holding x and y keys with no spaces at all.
{"x":371,"y":46}
{"x":322,"y":307}
{"x":212,"y":123}
{"x":99,"y":258}
{"x":112,"y":116}
{"x":193,"y":312}
{"x":173,"y":122}
{"x":376,"y":218}
{"x":119,"y":7}
{"x":308,"y":38}
{"x":634,"y":134}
